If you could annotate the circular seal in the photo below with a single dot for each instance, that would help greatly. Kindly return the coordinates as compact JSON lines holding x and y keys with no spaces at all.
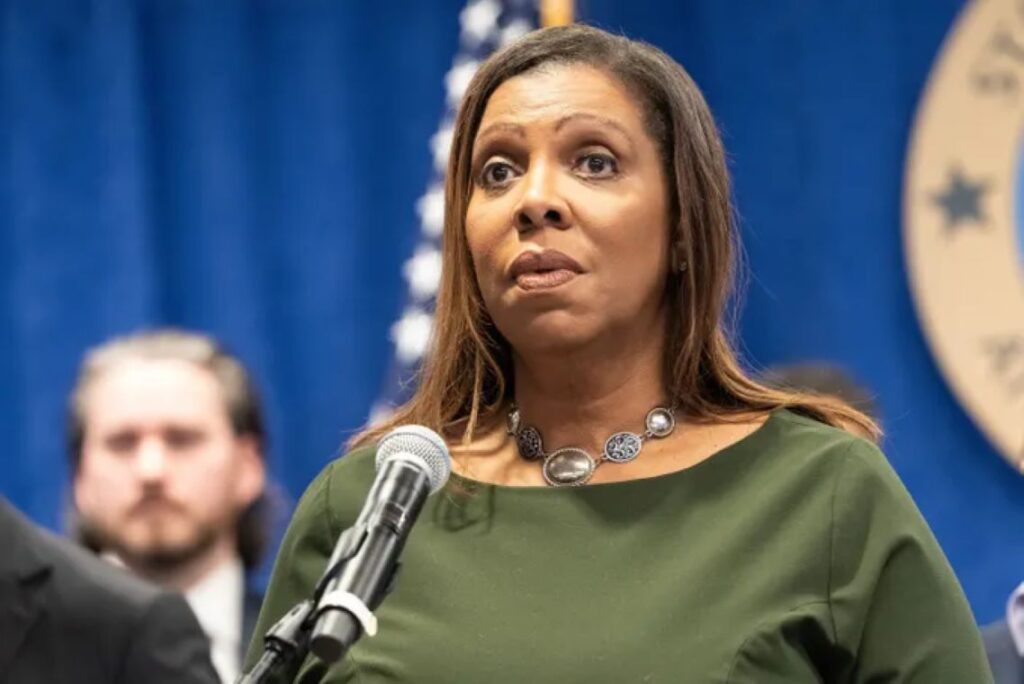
{"x":963,"y":208}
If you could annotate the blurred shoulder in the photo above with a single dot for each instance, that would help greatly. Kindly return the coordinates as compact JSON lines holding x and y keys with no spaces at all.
{"x":337,"y":493}
{"x":77,"y":582}
{"x":85,"y":581}
{"x":107,"y":624}
{"x":91,"y":596}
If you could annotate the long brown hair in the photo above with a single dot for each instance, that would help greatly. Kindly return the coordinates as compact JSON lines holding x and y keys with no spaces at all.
{"x":466,"y":379}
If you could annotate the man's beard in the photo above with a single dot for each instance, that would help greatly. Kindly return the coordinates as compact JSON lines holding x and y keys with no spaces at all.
{"x":155,"y":559}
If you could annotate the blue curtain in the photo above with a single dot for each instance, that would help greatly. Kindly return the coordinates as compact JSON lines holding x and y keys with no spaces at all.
{"x":245,"y":168}
{"x":250,"y":168}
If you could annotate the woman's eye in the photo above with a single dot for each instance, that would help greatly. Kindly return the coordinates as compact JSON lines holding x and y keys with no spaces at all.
{"x":496,"y":174}
{"x":598,"y":165}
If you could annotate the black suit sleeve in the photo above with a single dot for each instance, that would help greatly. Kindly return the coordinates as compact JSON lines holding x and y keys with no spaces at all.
{"x":168,"y":646}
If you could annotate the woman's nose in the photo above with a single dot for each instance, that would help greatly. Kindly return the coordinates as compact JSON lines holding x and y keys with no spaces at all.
{"x":542,"y":205}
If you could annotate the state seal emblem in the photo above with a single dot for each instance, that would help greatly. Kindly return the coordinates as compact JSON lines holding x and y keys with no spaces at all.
{"x":963,"y":217}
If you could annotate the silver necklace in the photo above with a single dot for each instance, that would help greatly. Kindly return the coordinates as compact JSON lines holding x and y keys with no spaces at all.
{"x":572,"y":466}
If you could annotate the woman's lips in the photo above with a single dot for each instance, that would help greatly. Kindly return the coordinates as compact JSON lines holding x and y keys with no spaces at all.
{"x":543,"y":270}
{"x":543,"y":280}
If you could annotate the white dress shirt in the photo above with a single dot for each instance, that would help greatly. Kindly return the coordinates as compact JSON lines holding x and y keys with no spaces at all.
{"x":1015,"y":618}
{"x":217,"y":601}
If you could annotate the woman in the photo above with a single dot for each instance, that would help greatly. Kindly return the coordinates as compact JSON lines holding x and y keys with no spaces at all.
{"x":727,"y":532}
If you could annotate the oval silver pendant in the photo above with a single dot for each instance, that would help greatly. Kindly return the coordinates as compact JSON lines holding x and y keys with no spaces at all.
{"x":568,"y":467}
{"x":660,"y":422}
{"x":622,"y":447}
{"x":530,"y":445}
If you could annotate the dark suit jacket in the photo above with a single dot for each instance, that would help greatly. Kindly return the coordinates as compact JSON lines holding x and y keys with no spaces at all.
{"x":1007,"y":666}
{"x":67,"y":616}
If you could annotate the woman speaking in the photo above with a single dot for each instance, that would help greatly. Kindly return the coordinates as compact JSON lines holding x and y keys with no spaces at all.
{"x":626,"y":504}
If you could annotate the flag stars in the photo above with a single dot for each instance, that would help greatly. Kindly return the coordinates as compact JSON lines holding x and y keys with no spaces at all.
{"x":380,"y":411}
{"x":430,"y":208}
{"x":423,"y":272}
{"x":515,"y":30}
{"x":479,"y":19}
{"x":440,"y":146}
{"x":457,"y":80}
{"x":411,"y":335}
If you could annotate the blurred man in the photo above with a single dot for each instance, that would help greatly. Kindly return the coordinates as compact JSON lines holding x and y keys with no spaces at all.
{"x":166,"y":444}
{"x":68,"y":618}
{"x":1004,"y":642}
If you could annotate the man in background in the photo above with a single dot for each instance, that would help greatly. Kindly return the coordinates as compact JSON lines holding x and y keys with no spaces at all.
{"x":166,"y":440}
{"x":1004,"y":642}
{"x":66,"y":617}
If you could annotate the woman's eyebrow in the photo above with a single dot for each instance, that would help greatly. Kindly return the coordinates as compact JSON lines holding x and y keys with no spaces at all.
{"x":502,"y":127}
{"x":593,"y":118}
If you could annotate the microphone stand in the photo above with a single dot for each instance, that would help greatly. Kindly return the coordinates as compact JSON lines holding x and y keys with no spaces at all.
{"x":288,"y":638}
{"x":287,"y":642}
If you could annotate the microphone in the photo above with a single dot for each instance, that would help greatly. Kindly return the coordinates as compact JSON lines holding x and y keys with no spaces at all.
{"x":412,"y":462}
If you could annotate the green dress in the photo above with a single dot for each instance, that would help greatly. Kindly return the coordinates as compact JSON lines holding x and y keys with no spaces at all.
{"x":794,"y":555}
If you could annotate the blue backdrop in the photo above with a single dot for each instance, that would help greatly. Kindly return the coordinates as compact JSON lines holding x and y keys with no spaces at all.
{"x":250,"y":168}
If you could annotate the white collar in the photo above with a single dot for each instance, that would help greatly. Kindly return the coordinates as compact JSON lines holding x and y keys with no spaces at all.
{"x":217,"y":601}
{"x":1015,"y":618}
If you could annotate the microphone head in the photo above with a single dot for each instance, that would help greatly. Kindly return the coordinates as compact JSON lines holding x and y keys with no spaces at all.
{"x":420,"y":444}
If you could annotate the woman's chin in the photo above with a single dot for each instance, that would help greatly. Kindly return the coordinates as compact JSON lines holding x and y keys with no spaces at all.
{"x":551,"y":333}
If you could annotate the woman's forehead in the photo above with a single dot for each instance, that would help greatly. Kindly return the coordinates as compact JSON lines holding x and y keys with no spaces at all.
{"x":556,"y":94}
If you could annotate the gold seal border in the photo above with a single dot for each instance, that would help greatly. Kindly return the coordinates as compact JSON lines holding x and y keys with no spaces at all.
{"x":964,"y":269}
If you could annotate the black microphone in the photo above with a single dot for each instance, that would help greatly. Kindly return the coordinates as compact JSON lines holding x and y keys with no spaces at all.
{"x":412,"y":462}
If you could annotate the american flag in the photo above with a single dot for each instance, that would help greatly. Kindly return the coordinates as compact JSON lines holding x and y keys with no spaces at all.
{"x":485,"y":26}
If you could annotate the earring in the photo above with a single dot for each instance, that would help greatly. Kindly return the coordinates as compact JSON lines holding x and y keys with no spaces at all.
{"x":676,"y":260}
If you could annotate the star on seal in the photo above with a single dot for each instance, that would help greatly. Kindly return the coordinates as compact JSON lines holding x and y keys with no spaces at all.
{"x":961,"y":200}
